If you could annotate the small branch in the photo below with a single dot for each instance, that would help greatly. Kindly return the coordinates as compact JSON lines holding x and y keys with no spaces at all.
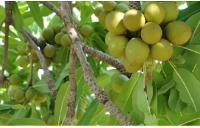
{"x":51,"y":7}
{"x":87,"y":72}
{"x":135,"y":5}
{"x":106,"y":58}
{"x":31,"y":74}
{"x":73,"y":87}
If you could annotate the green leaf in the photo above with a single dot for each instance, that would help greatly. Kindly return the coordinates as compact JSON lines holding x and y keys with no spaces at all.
{"x":100,"y":112}
{"x":2,"y":14}
{"x":174,"y":101}
{"x":35,"y":11}
{"x":27,"y":121}
{"x":5,"y":117}
{"x":5,"y":106}
{"x":89,"y":113}
{"x":188,"y":87}
{"x":20,"y":113}
{"x":167,"y":84}
{"x":41,"y":86}
{"x":18,"y":106}
{"x":17,"y":17}
{"x":189,"y":117}
{"x":61,"y":102}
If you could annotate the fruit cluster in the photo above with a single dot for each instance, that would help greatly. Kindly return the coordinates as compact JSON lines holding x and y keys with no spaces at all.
{"x":114,"y":87}
{"x":30,"y":94}
{"x":140,"y":36}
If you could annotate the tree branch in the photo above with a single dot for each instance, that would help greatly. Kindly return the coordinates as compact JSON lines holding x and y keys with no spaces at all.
{"x":87,"y":72}
{"x":51,"y":7}
{"x":135,"y":5}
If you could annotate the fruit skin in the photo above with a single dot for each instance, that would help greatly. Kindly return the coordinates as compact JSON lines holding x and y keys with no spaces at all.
{"x":113,"y":96}
{"x":86,"y":30}
{"x":65,"y":41}
{"x":108,"y":38}
{"x":107,"y":87}
{"x":121,"y":7}
{"x":23,"y":61}
{"x":136,"y":51}
{"x":131,"y":67}
{"x":178,"y":32}
{"x":133,"y":20}
{"x":56,"y":27}
{"x":40,"y":97}
{"x":117,"y":46}
{"x":114,"y":23}
{"x":171,"y":12}
{"x":19,"y":95}
{"x":58,"y":37}
{"x":109,"y":5}
{"x":102,"y":17}
{"x":34,"y":55}
{"x":49,"y":51}
{"x":48,"y":33}
{"x":118,"y":82}
{"x":14,"y":79}
{"x":154,"y":12}
{"x":162,"y":50}
{"x":30,"y":94}
{"x":97,"y":11}
{"x":12,"y":91}
{"x":151,"y":33}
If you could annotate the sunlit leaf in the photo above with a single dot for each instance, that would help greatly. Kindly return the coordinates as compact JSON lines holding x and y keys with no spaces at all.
{"x":17,"y":17}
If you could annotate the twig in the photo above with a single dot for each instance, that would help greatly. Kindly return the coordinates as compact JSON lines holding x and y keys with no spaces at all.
{"x":87,"y":72}
{"x":73,"y":88}
{"x":31,"y":74}
{"x":51,"y":7}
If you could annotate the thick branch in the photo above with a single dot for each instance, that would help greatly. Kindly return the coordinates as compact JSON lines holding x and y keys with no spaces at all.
{"x":51,"y":7}
{"x":87,"y":72}
{"x":106,"y":58}
{"x":72,"y":91}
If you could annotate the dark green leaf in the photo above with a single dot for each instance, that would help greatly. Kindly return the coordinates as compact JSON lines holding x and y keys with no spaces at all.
{"x":190,"y":117}
{"x":17,"y":17}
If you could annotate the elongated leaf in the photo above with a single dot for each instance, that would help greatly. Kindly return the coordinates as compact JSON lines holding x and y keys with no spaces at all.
{"x":27,"y":121}
{"x":61,"y":102}
{"x":174,"y":102}
{"x":188,"y":87}
{"x":5,"y":117}
{"x":189,"y":117}
{"x":103,"y":120}
{"x":35,"y":11}
{"x":98,"y":115}
{"x":41,"y":86}
{"x":20,"y":113}
{"x":17,"y":17}
{"x":2,"y":14}
{"x":5,"y":106}
{"x":89,"y":113}
{"x":167,"y":84}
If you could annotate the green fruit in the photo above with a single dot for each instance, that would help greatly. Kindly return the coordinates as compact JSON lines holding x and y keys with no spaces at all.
{"x":114,"y":23}
{"x":66,"y":41}
{"x":49,"y":51}
{"x":58,"y":37}
{"x":171,"y":11}
{"x":137,"y":51}
{"x":151,"y":33}
{"x":87,"y":30}
{"x":14,"y":79}
{"x":109,"y":5}
{"x":27,"y":48}
{"x":133,"y":20}
{"x":21,"y":52}
{"x":118,"y":82}
{"x":33,"y":55}
{"x":47,"y":61}
{"x":63,"y":30}
{"x":102,"y":17}
{"x":48,"y":33}
{"x":113,"y":96}
{"x":97,"y":11}
{"x":23,"y":61}
{"x":56,"y":27}
{"x":19,"y":95}
{"x":52,"y":120}
{"x":131,"y":67}
{"x":46,"y":117}
{"x":154,"y":12}
{"x":117,"y":46}
{"x":30,"y":94}
{"x":40,"y":97}
{"x":121,"y":7}
{"x":79,"y":113}
{"x":108,"y":38}
{"x":161,"y":50}
{"x":107,"y":87}
{"x":76,"y":22}
{"x":12,"y":91}
{"x":178,"y":32}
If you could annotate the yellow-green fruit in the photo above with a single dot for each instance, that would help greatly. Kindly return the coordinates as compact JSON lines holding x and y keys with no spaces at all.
{"x":21,"y":52}
{"x":108,"y":38}
{"x":151,"y":33}
{"x":131,"y":67}
{"x":52,"y":120}
{"x":40,"y":97}
{"x":33,"y":55}
{"x":19,"y":95}
{"x":97,"y":11}
{"x":14,"y":79}
{"x":79,"y":113}
{"x":117,"y":46}
{"x":121,"y":7}
{"x":65,"y":41}
{"x":30,"y":94}
{"x":12,"y":90}
{"x":76,"y":21}
{"x":49,"y":51}
{"x":46,"y":117}
{"x":118,"y":82}
{"x":47,"y":61}
{"x":113,"y":96}
{"x":58,"y":37}
{"x":133,"y":20}
{"x":137,"y":51}
{"x":109,"y":5}
{"x":27,"y":48}
{"x":107,"y":87}
{"x":48,"y":33}
{"x":102,"y":17}
{"x":56,"y":27}
{"x":114,"y":23}
{"x":171,"y":11}
{"x":154,"y":12}
{"x":23,"y":61}
{"x":162,"y":50}
{"x":178,"y":32}
{"x":86,"y":30}
{"x":63,"y":30}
